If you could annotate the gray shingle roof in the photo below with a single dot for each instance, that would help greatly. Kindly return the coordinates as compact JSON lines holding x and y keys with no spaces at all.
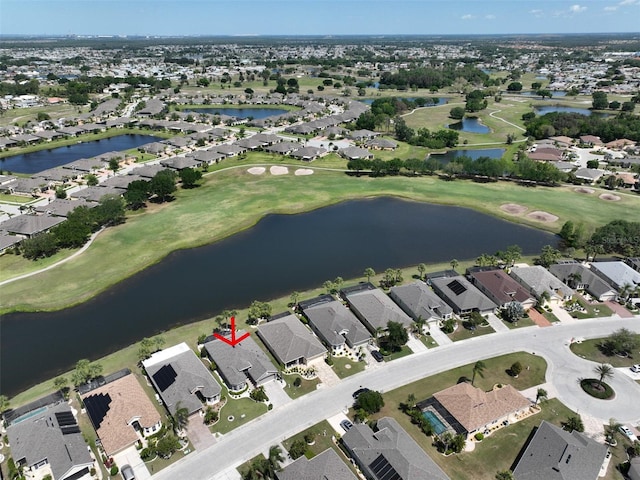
{"x":419,"y":301}
{"x":244,"y":360}
{"x":177,"y":375}
{"x":62,"y":207}
{"x":592,"y":283}
{"x":29,"y":224}
{"x":395,"y":446}
{"x":464,"y":298}
{"x":289,"y":340}
{"x":40,"y":437}
{"x":376,"y":309}
{"x":324,"y":466}
{"x":555,"y":454}
{"x":538,"y":279}
{"x":334,"y":323}
{"x":616,"y":274}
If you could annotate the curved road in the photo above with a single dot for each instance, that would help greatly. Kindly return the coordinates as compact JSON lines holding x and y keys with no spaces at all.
{"x":552,"y":343}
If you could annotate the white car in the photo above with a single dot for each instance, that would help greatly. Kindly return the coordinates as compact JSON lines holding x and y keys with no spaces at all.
{"x":628,"y":433}
{"x":635,"y":368}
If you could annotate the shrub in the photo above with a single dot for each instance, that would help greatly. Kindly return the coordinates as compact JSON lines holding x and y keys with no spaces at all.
{"x":297,"y":382}
{"x":515,"y":369}
{"x":297,"y":449}
{"x":479,"y":436}
{"x":113,"y":471}
{"x":258,"y":395}
{"x":147,"y":453}
{"x":596,"y":389}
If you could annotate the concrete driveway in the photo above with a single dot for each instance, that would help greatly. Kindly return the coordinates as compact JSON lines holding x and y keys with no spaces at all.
{"x":199,"y":433}
{"x":130,"y":456}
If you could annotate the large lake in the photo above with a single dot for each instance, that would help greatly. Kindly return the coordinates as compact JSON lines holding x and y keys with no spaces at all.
{"x":255,"y":113}
{"x":471,"y":125}
{"x":447,"y":157}
{"x":35,"y":162}
{"x":280,"y":254}
{"x":555,"y":108}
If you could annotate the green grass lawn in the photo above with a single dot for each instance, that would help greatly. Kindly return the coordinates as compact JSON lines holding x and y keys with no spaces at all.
{"x":589,"y":349}
{"x":551,"y":317}
{"x":343,"y":367}
{"x":523,"y":322}
{"x":428,"y":341}
{"x":8,"y":198}
{"x":242,"y":409}
{"x":403,"y":352}
{"x":592,"y":311}
{"x":462,"y":333}
{"x":307,"y":386}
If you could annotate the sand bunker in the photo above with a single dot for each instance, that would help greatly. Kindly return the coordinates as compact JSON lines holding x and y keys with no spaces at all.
{"x":303,"y":171}
{"x":256,"y":170}
{"x":542,"y":216}
{"x":278,"y":170}
{"x":609,"y":197}
{"x":584,"y":190}
{"x":513,"y":208}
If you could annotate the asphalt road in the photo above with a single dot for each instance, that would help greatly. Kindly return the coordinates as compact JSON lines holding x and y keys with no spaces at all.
{"x":551,"y":343}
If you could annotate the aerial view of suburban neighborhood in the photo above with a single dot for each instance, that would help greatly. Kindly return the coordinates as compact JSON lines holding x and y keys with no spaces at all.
{"x":288,"y":240}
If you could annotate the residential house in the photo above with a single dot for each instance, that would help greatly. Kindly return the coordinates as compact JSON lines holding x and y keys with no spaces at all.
{"x":336,"y":326}
{"x":555,"y":454}
{"x":591,"y":140}
{"x":355,"y":153}
{"x":538,"y":280}
{"x":62,"y":207}
{"x":591,"y":175}
{"x":181,"y":379}
{"x":374,"y":308}
{"x":180,"y":163}
{"x":381,"y":144}
{"x":26,"y":226}
{"x":389,"y":453}
{"x":291,"y":342}
{"x":420,"y":302}
{"x":617,"y":274}
{"x":581,"y":277}
{"x":206,"y":156}
{"x":633,"y":262}
{"x":324,"y":466}
{"x":501,"y":288}
{"x":283,"y":148}
{"x":469,"y":410}
{"x":239,"y":363}
{"x":461,"y":295}
{"x":308,"y":154}
{"x":48,"y":441}
{"x":147,"y":171}
{"x":95,"y":194}
{"x":229,"y":150}
{"x":121,"y":412}
{"x":362,"y":135}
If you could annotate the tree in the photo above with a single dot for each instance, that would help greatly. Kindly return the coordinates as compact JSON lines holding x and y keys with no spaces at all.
{"x":297,"y":449}
{"x":548,"y":256}
{"x":541,"y":395}
{"x":397,"y":336}
{"x":110,"y":210}
{"x":39,"y":246}
{"x":504,"y":475}
{"x":189,"y":177}
{"x":60,"y":384}
{"x":611,"y":431}
{"x":603,"y":371}
{"x":514,"y":87}
{"x":275,"y":458}
{"x":85,"y":371}
{"x":600,"y":101}
{"x":454,"y":263}
{"x":422,"y":268}
{"x":369,"y":272}
{"x":515,"y":369}
{"x":259,"y":310}
{"x":457,"y":113}
{"x":114,"y":165}
{"x":163,"y":184}
{"x":513,"y":311}
{"x":478,"y":369}
{"x":371,"y":401}
{"x":4,"y":404}
{"x":573,"y":423}
{"x":137,"y":194}
{"x":61,"y":193}
{"x":593,"y":163}
{"x":180,"y":417}
{"x":210,"y":416}
{"x":511,"y":255}
{"x":294,"y":297}
{"x":167,"y":445}
{"x":91,"y":179}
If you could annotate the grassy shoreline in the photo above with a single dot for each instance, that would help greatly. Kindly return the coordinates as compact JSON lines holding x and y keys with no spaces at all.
{"x":146,"y":238}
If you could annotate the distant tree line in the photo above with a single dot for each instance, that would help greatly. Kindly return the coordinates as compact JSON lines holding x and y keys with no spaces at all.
{"x":431,"y":77}
{"x":623,"y":125}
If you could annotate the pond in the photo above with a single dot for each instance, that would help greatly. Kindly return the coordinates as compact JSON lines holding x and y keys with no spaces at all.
{"x":280,"y":254}
{"x":556,"y":108}
{"x":35,"y":162}
{"x":470,"y":125}
{"x":555,"y":93}
{"x":447,"y":157}
{"x":254,"y":113}
{"x":436,"y":100}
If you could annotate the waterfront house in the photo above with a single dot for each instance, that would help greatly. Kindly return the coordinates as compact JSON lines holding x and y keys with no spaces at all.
{"x":501,"y":288}
{"x":324,"y":466}
{"x":374,"y":308}
{"x":538,"y":280}
{"x":461,"y":295}
{"x":420,"y":302}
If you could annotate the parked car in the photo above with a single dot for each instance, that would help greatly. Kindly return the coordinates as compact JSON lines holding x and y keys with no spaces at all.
{"x":346,"y":424}
{"x":377,"y":355}
{"x":628,"y":433}
{"x":635,"y":368}
{"x":127,"y":472}
{"x":358,"y":392}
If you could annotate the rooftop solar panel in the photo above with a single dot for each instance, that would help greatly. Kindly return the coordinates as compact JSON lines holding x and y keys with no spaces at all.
{"x":165,"y":377}
{"x":97,"y":407}
{"x":383,"y":470}
{"x":65,"y":418}
{"x":70,"y":429}
{"x":456,"y":287}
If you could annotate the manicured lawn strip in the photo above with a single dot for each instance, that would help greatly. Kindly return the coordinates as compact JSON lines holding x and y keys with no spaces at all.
{"x":462,"y":333}
{"x":589,"y":349}
{"x":523,"y":322}
{"x":428,"y":341}
{"x":189,"y":221}
{"x":7,"y":198}
{"x":237,"y":408}
{"x":403,"y":352}
{"x":244,"y":468}
{"x":598,"y":310}
{"x":307,"y":386}
{"x":551,"y":317}
{"x":340,"y":367}
{"x":112,"y":132}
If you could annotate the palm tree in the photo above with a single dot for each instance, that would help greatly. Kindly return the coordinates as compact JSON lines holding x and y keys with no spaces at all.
{"x":454,"y":263}
{"x":275,"y":458}
{"x":181,"y":417}
{"x":541,"y":395}
{"x":411,"y":399}
{"x":545,"y":296}
{"x":422,"y":268}
{"x":611,"y":431}
{"x":295,"y":296}
{"x":369,"y":272}
{"x":604,"y":371}
{"x":478,"y":369}
{"x":573,"y":423}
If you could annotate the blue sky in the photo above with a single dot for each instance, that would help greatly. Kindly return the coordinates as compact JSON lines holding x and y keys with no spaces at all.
{"x":316,"y":17}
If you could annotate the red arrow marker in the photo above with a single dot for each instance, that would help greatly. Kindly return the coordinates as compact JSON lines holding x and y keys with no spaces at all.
{"x":234,"y":341}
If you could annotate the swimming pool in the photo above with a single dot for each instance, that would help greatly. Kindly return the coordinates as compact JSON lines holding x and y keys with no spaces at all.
{"x":438,"y":426}
{"x":29,"y":415}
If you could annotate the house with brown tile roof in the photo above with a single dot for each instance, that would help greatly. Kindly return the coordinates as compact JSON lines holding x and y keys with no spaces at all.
{"x":501,"y":288}
{"x":119,"y":412}
{"x":474,"y":410}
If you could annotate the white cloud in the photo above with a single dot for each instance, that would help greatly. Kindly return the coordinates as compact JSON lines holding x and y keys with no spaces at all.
{"x":467,"y":17}
{"x":577,"y":8}
{"x":536,"y":13}
{"x":490,"y":16}
{"x":610,"y":9}
{"x":629,"y":2}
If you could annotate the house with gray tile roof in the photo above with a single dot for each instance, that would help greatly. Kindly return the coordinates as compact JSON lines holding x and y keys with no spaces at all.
{"x":461,"y":295}
{"x":364,"y":134}
{"x":7,"y":241}
{"x":374,"y":308}
{"x":336,"y":326}
{"x":57,"y":174}
{"x":555,"y":454}
{"x":86,"y":165}
{"x":154,"y":148}
{"x":50,"y":441}
{"x":354,"y":153}
{"x":27,"y":226}
{"x":282,"y":148}
{"x":381,"y":144}
{"x":61,"y":207}
{"x":538,"y":279}
{"x":290,"y":341}
{"x":324,"y":466}
{"x":308,"y":154}
{"x":121,"y":181}
{"x":251,"y":143}
{"x":152,"y":106}
{"x":26,"y":186}
{"x":582,"y":278}
{"x":147,"y":171}
{"x":242,"y":362}
{"x":95,"y":194}
{"x":229,"y":150}
{"x":181,"y":379}
{"x":180,"y":163}
{"x":389,"y":452}
{"x":206,"y":156}
{"x":419,"y":301}
{"x":617,"y":274}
